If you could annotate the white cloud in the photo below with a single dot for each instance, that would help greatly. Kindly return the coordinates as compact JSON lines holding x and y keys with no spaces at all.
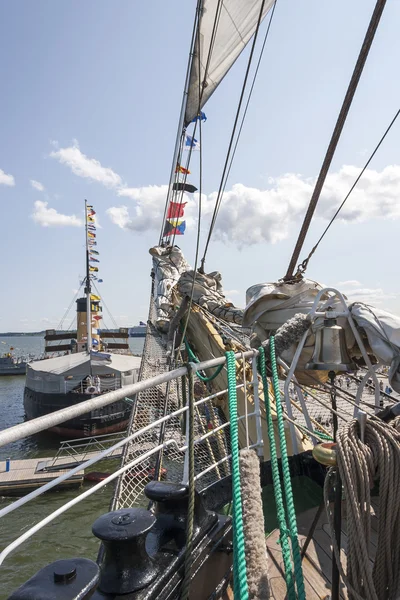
{"x":148,"y":212}
{"x":6,"y":179}
{"x":349,"y":283}
{"x":37,"y":185}
{"x":232,"y":292}
{"x":119,"y":215}
{"x":83,"y":166}
{"x":49,"y":217}
{"x":368,"y":295}
{"x":250,"y":215}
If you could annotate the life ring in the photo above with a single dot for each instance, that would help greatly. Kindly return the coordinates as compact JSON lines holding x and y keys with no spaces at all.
{"x":91,"y":389}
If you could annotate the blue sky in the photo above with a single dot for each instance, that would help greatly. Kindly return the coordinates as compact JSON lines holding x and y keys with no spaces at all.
{"x":90,"y":86}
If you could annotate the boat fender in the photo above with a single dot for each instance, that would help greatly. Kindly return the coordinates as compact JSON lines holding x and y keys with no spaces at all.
{"x":91,"y":389}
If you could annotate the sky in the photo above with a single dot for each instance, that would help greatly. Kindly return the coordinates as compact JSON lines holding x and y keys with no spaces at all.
{"x":90,"y":100}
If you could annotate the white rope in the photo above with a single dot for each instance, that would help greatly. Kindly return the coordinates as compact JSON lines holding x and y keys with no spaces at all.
{"x":360,"y":465}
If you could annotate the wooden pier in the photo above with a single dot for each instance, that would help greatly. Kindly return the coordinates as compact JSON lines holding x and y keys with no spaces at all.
{"x":29,"y":474}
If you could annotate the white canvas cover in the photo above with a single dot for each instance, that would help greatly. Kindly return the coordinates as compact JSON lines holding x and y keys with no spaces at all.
{"x":236,"y":24}
{"x":208,"y":292}
{"x":383,"y":333}
{"x":168,"y":265}
{"x":270,"y":305}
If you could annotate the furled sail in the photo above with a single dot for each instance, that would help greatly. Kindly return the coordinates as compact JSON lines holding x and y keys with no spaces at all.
{"x":236,"y":21}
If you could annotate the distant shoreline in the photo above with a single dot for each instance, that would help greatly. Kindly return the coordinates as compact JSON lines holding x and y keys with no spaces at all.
{"x":22,"y":334}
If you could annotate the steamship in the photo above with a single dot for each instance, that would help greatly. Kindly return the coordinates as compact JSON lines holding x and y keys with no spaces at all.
{"x":90,"y":365}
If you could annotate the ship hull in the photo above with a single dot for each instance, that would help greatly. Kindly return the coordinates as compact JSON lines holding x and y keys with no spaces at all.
{"x":9,"y":372}
{"x":109,"y":419}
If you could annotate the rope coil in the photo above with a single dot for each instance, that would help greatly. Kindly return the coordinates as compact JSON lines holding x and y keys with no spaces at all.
{"x":360,"y":465}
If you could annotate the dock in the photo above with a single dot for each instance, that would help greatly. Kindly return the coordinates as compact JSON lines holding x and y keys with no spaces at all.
{"x":26,"y":475}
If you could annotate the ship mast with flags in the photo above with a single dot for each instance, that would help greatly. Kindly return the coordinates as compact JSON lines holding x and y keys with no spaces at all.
{"x":92,"y":301}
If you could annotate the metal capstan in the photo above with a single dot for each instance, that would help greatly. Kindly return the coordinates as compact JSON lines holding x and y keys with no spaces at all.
{"x":330,"y":352}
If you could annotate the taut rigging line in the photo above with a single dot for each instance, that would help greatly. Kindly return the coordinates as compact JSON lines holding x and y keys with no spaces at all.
{"x":304,"y":264}
{"x":355,"y":78}
{"x":221,"y":185}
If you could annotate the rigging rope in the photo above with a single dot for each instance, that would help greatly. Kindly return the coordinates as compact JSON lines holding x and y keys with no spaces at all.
{"x":355,"y":78}
{"x":360,"y":464}
{"x":196,"y":258}
{"x":194,"y":358}
{"x":280,"y":510}
{"x":239,"y":558}
{"x":61,"y":323}
{"x":287,"y":482}
{"x":244,"y":114}
{"x":179,"y":133}
{"x":303,"y":266}
{"x":182,"y":125}
{"x":221,"y":185}
{"x":191,"y":490}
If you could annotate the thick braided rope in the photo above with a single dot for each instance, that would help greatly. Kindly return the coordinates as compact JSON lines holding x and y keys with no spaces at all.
{"x":280,"y":510}
{"x":190,"y":517}
{"x":359,"y":464}
{"x":239,"y":557}
{"x":287,"y":481}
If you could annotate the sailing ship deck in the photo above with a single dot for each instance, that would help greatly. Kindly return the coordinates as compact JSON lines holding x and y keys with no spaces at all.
{"x":317,"y":562}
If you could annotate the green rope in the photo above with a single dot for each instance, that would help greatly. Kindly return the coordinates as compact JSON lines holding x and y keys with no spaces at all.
{"x":239,"y":559}
{"x":194,"y":358}
{"x":315,"y":433}
{"x":191,"y":499}
{"x":280,"y":509}
{"x":287,"y":482}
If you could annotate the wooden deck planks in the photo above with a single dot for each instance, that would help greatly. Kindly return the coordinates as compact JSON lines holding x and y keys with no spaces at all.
{"x":317,"y":562}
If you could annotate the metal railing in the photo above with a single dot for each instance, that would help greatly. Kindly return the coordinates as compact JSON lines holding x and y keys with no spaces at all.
{"x":23,"y":430}
{"x":78,"y":449}
{"x":19,"y":431}
{"x":176,"y":445}
{"x":81,"y":386}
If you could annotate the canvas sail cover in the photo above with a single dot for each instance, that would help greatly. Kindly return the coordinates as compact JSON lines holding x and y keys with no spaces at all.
{"x":168,"y":265}
{"x":236,"y":22}
{"x":207,"y":291}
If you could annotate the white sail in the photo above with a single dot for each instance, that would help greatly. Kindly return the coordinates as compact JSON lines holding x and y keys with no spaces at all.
{"x":236,"y":24}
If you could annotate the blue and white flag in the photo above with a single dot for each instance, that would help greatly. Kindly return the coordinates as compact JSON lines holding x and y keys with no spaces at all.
{"x":100,"y":355}
{"x":200,"y":117}
{"x":191,"y":143}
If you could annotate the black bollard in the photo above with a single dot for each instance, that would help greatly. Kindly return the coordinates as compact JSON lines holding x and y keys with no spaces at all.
{"x":73,"y":579}
{"x":126,"y":566}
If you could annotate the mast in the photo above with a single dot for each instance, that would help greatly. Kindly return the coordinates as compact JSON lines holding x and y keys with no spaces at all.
{"x":88,"y":288}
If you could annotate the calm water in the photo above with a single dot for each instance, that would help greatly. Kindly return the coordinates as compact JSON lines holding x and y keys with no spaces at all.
{"x":69,"y":535}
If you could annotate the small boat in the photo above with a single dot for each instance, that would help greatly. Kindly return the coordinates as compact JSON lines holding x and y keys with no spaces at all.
{"x":12,"y":365}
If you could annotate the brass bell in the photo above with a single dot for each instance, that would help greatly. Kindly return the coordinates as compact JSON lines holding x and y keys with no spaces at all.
{"x":330,"y":351}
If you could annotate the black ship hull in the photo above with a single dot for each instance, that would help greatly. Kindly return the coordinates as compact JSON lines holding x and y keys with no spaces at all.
{"x":109,"y":419}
